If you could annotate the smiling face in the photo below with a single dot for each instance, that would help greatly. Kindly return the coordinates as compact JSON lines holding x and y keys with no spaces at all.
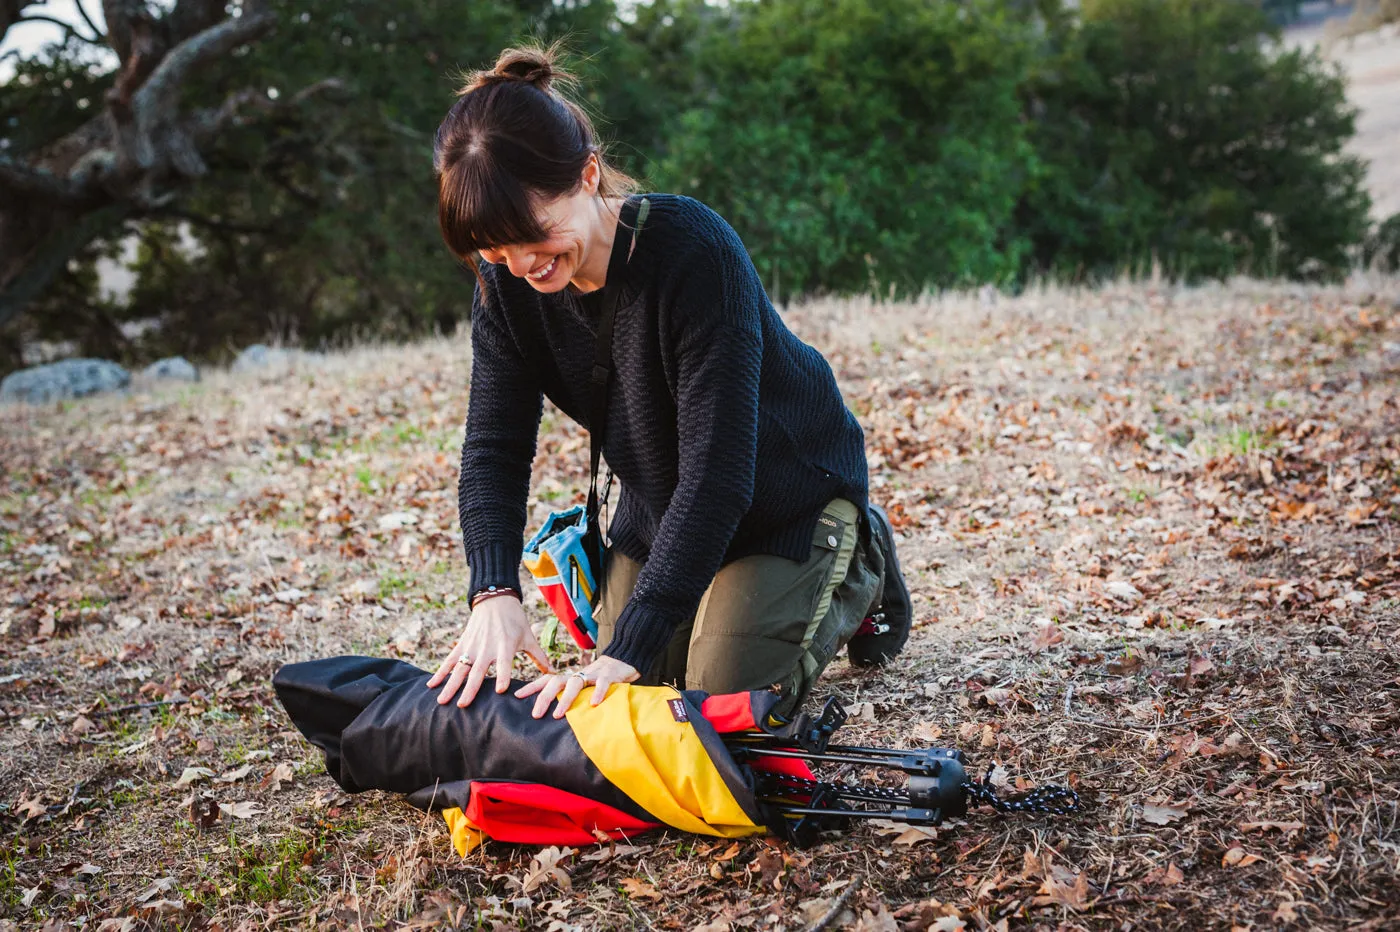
{"x":573,"y":247}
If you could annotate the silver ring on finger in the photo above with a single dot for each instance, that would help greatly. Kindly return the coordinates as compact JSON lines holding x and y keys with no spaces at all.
{"x":580,"y":674}
{"x":464,"y":660}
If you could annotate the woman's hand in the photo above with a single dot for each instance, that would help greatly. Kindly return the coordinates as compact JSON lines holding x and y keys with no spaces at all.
{"x":601,"y":674}
{"x":495,"y":633}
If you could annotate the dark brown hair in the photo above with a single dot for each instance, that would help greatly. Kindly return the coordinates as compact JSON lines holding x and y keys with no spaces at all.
{"x":511,"y":140}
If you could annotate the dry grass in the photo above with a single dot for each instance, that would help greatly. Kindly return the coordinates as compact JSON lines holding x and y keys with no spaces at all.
{"x":1150,"y":532}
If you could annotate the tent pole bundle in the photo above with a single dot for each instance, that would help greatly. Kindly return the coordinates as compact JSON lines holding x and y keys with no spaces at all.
{"x":936,"y":788}
{"x":643,"y":758}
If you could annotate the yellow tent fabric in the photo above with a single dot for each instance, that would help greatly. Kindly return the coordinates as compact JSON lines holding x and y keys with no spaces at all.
{"x":641,"y":746}
{"x":466,"y":837}
{"x":635,"y":740}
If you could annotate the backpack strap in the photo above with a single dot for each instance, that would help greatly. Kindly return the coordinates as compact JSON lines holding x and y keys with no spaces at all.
{"x":629,"y":225}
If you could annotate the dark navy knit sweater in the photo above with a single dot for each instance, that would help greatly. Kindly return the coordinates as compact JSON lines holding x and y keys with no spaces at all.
{"x":728,"y":433}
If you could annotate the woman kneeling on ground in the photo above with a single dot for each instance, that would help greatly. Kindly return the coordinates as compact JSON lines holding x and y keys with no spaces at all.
{"x":743,"y":552}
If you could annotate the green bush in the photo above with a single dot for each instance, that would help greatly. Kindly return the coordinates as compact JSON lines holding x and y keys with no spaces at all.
{"x":859,"y":144}
{"x":1182,"y":132}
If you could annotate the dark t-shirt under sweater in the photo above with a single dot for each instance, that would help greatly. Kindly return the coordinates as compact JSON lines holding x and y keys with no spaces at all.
{"x":728,"y":433}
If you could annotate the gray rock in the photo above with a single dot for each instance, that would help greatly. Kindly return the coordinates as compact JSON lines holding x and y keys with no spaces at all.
{"x":253,"y":357}
{"x":70,"y":378}
{"x":172,"y":367}
{"x":261,"y":356}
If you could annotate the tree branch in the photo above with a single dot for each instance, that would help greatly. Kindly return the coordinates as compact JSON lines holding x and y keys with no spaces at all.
{"x":51,"y":256}
{"x":128,"y":160}
{"x":209,"y":123}
{"x":19,"y":179}
{"x":68,"y":28}
{"x":120,"y":16}
{"x":313,"y":90}
{"x":212,"y":223}
{"x":88,"y":19}
{"x":144,"y":103}
{"x":193,"y":16}
{"x":161,"y":88}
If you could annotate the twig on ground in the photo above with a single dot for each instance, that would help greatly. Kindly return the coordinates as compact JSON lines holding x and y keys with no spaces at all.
{"x":1128,"y":727}
{"x":837,"y":907}
{"x":138,"y":706}
{"x":61,"y":808}
{"x":1245,"y":731}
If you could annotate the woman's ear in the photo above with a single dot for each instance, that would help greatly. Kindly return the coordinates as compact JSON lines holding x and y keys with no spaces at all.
{"x":592,"y":174}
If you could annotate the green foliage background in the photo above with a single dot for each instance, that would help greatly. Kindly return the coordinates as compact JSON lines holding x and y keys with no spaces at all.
{"x":886,"y":145}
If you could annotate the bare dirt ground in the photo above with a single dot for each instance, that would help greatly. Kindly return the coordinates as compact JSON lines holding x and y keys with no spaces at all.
{"x":1151,"y":535}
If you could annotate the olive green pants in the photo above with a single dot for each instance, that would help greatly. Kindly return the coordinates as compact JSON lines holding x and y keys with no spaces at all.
{"x":765,"y":621}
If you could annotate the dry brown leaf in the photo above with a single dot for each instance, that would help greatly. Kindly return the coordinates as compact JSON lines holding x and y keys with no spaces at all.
{"x":905,"y":834}
{"x":1162,"y":815}
{"x":639,"y":889}
{"x":770,"y":867}
{"x":879,"y":921}
{"x":245,"y":809}
{"x":282,"y":773}
{"x":915,"y":834}
{"x":203,"y":811}
{"x":193,"y":775}
{"x":162,"y":907}
{"x":1168,"y":876}
{"x":996,"y":696}
{"x":1124,"y":591}
{"x":1238,"y":857}
{"x":1046,"y":636}
{"x":158,"y":886}
{"x":613,"y":850}
{"x":1061,"y":891}
{"x":31,"y":807}
{"x":545,"y":867}
{"x":928,"y":914}
{"x":715,"y":925}
{"x":234,"y":775}
{"x":1125,"y":664}
{"x":928,"y":732}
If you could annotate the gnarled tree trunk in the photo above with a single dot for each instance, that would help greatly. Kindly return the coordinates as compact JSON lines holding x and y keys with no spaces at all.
{"x":134,"y":156}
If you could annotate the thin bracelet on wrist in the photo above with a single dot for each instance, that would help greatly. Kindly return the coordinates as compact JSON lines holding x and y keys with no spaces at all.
{"x":491,"y":592}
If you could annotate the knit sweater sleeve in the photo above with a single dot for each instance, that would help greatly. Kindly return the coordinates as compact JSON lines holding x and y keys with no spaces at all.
{"x":503,"y":418}
{"x":714,"y":322}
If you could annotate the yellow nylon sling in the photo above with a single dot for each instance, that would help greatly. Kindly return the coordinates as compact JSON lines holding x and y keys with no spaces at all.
{"x":660,"y":763}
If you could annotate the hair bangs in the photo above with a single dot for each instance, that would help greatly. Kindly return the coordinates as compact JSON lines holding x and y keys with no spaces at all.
{"x":482,"y":206}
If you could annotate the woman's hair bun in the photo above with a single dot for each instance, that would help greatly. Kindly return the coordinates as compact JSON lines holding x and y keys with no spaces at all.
{"x":533,"y":66}
{"x":527,"y":64}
